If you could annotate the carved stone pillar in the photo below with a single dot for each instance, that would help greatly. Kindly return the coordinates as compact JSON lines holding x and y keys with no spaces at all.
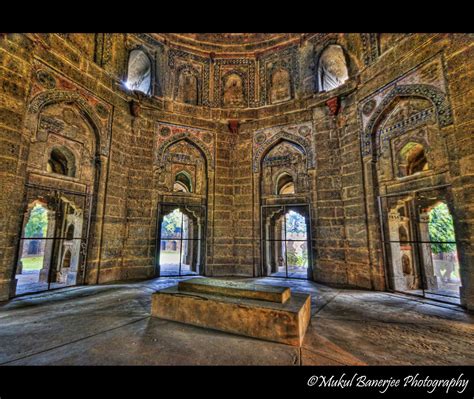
{"x":431,"y":282}
{"x":398,"y":281}
{"x":48,"y":248}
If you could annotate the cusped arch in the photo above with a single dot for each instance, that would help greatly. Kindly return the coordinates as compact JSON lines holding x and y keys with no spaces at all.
{"x":431,"y":93}
{"x":301,"y":142}
{"x":186,"y":136}
{"x":49,"y":97}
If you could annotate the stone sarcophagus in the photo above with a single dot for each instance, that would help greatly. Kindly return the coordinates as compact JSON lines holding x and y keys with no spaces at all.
{"x":260,"y":311}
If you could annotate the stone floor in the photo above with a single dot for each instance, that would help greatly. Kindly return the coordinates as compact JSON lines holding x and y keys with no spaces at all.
{"x":111,"y":324}
{"x":28,"y":282}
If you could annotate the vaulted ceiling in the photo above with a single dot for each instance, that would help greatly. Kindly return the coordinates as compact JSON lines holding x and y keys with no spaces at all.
{"x":231,"y":43}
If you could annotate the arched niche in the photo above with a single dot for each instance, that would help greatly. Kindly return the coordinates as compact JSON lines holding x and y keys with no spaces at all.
{"x":183,"y":182}
{"x":332,"y":69}
{"x":61,"y":161}
{"x":65,"y":143}
{"x":285,"y":184}
{"x":284,"y":166}
{"x":139,"y":71}
{"x":412,"y":159}
{"x":233,"y":90}
{"x":280,"y":85}
{"x":183,"y":168}
{"x":188,"y":86}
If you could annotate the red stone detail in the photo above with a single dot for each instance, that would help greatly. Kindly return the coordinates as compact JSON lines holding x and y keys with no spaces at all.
{"x":234,"y":126}
{"x":333,"y":105}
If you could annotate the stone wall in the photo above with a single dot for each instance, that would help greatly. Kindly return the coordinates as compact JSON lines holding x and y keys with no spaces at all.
{"x":89,"y":70}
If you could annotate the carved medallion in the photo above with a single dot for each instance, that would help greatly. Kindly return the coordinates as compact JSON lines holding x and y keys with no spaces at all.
{"x":304,"y":130}
{"x":368,"y":107}
{"x":101,"y":111}
{"x":207,"y":138}
{"x":45,"y":79}
{"x":260,"y":138}
{"x":165,"y":131}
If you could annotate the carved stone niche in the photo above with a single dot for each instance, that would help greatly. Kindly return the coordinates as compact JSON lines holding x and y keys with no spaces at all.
{"x":233,"y":91}
{"x":183,"y":158}
{"x":280,"y":89}
{"x":284,"y":159}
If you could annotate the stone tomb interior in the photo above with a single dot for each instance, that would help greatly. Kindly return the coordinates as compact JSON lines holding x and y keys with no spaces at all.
{"x":339,"y":165}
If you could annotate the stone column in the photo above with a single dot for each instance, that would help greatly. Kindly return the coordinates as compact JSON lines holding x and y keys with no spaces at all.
{"x":48,"y":248}
{"x":397,"y":279}
{"x":427,"y":260}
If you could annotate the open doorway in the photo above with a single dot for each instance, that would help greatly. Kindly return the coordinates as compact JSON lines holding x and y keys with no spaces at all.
{"x":51,"y":249}
{"x":420,"y":244}
{"x":286,"y":241}
{"x":181,"y":243}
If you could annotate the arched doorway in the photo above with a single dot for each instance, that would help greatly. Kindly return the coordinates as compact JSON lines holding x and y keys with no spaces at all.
{"x":410,"y":168}
{"x":182,"y":210}
{"x":181,"y":240}
{"x":59,"y":192}
{"x":285,"y":212}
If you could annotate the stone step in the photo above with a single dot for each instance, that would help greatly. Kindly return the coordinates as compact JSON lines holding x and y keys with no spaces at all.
{"x":272,"y":321}
{"x":236,"y":289}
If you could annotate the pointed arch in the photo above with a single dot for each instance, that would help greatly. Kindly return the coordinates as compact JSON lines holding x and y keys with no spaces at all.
{"x":186,"y":136}
{"x":429,"y":92}
{"x":49,"y":97}
{"x":303,"y":144}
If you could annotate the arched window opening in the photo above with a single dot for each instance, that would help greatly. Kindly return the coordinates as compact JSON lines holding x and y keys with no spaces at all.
{"x":182,"y":183}
{"x":332,"y":68}
{"x":61,"y":161}
{"x":412,"y":159}
{"x":139,"y":72}
{"x":285,"y":184}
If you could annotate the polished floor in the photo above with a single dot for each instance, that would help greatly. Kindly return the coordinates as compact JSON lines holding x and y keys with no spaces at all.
{"x":111,"y":325}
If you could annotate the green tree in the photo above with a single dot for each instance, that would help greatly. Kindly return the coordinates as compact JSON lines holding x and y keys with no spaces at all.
{"x":172,"y":222}
{"x":38,"y":222}
{"x":295,"y":223}
{"x":441,"y":229}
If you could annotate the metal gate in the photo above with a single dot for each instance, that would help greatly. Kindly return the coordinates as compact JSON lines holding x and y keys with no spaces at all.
{"x":52,"y":249}
{"x":419,"y":245}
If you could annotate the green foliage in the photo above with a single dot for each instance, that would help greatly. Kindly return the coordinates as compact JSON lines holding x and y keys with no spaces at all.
{"x":295,"y":259}
{"x":38,"y":222}
{"x":172,"y":222}
{"x":295,"y":223}
{"x":441,"y":229}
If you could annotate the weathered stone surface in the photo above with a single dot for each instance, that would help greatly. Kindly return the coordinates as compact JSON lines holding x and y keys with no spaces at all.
{"x":285,"y":323}
{"x":236,"y":289}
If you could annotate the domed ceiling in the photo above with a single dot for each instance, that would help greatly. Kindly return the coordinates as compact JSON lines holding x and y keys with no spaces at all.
{"x":231,"y":42}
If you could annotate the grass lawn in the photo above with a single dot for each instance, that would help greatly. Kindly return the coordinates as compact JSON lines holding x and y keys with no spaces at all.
{"x":33,"y":263}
